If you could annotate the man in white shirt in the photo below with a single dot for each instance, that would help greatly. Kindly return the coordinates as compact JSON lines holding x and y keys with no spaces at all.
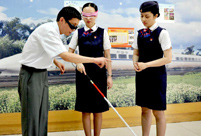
{"x":42,"y":46}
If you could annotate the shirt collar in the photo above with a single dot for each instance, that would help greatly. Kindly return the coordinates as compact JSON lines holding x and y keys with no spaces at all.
{"x":153,"y":27}
{"x":94,"y":28}
{"x":55,"y":25}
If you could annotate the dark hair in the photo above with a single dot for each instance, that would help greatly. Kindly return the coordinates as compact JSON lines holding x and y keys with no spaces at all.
{"x":68,"y":13}
{"x":90,"y":5}
{"x":151,"y":6}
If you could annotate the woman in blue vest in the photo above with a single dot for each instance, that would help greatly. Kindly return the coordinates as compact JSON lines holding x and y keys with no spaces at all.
{"x":92,"y":41}
{"x":152,"y":50}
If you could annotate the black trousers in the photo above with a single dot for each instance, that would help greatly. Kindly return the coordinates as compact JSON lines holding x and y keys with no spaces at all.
{"x":33,"y":92}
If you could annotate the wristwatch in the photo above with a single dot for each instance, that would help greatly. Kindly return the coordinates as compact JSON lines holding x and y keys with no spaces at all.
{"x":110,"y":75}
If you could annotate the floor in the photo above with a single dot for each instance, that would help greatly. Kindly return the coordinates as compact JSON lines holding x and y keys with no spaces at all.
{"x":173,"y":129}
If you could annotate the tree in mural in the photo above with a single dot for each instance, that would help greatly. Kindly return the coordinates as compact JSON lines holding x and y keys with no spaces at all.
{"x":16,"y":30}
{"x":13,"y":35}
{"x":10,"y":47}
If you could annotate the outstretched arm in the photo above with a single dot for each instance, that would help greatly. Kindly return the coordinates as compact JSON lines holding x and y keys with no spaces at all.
{"x":71,"y":57}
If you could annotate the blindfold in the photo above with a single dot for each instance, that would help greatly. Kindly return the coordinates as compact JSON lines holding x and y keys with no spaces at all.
{"x":90,"y":14}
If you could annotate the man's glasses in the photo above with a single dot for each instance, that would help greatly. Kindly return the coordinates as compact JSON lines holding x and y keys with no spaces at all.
{"x":71,"y":26}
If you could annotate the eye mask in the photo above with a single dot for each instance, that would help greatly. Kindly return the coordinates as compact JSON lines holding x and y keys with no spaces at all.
{"x":90,"y":14}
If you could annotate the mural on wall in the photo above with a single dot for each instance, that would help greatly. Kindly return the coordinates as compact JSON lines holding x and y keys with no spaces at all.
{"x":184,"y":72}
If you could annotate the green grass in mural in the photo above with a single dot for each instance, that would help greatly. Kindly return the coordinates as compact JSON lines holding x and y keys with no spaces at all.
{"x":9,"y":101}
{"x":180,"y":89}
{"x":191,"y":78}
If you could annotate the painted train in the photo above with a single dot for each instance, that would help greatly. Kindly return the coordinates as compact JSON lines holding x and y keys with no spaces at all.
{"x":121,"y":60}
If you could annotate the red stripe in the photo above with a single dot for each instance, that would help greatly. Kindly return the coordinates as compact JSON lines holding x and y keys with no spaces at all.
{"x":99,"y":90}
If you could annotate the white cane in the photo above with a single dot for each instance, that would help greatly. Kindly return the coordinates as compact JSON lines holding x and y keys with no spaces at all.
{"x":111,"y":105}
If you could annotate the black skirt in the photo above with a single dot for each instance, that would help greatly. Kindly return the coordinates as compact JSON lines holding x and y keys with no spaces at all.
{"x":151,"y":89}
{"x":88,"y":99}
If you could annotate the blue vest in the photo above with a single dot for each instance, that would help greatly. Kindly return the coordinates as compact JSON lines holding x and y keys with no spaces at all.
{"x":91,"y":46}
{"x":150,"y":49}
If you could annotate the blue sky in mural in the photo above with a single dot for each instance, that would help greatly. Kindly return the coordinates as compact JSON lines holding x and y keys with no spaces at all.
{"x":186,"y":30}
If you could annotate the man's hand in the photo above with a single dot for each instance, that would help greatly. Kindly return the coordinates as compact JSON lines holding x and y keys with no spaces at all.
{"x":60,"y":65}
{"x":101,"y":61}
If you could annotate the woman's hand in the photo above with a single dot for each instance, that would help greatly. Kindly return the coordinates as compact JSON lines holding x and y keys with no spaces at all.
{"x":141,"y":66}
{"x":81,"y":68}
{"x":109,"y":82}
{"x":136,"y":67}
